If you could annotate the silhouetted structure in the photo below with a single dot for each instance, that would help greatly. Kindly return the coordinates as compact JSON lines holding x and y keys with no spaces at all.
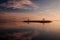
{"x":38,"y":21}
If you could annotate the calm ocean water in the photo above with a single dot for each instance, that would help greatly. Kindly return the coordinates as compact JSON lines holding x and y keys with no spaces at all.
{"x":31,"y":31}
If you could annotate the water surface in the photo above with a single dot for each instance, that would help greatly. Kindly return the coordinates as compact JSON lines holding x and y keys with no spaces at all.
{"x":31,"y":31}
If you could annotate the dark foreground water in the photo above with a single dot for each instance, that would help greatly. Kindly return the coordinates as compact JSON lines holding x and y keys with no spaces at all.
{"x":26,"y":34}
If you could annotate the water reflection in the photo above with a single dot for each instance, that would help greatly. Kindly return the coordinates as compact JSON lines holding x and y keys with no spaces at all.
{"x":31,"y":31}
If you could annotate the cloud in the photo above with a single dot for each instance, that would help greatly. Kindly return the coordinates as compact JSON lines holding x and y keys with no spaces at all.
{"x":21,"y":4}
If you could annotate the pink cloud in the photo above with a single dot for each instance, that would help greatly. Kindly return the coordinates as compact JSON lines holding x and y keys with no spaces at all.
{"x":19,"y":4}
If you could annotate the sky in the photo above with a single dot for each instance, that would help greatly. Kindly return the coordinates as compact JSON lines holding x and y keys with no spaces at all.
{"x":34,"y":9}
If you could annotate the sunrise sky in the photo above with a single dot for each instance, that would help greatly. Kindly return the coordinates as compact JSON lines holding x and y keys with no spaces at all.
{"x":34,"y":9}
